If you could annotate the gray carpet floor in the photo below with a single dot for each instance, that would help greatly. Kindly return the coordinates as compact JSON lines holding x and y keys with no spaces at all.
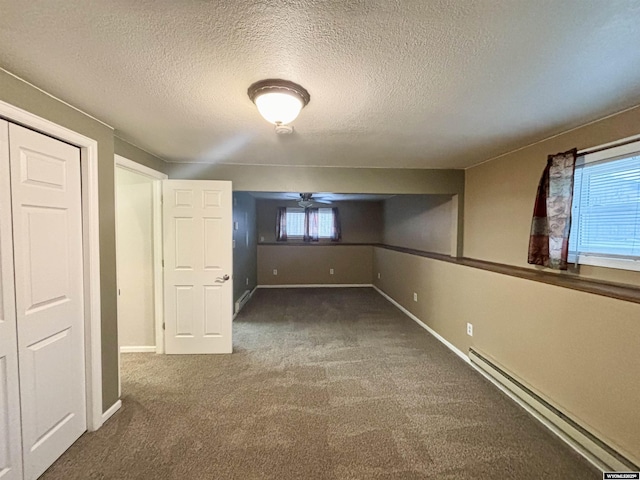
{"x":323,"y":384}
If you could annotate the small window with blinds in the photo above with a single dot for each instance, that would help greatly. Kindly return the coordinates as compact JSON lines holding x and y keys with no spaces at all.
{"x":296,"y":219}
{"x":605,"y":221}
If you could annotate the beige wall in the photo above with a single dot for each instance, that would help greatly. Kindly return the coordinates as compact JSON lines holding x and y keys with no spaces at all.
{"x":421,"y":222}
{"x":136,"y":302}
{"x":500,"y":195}
{"x":361,"y":221}
{"x":253,"y":178}
{"x":575,"y":349}
{"x":244,"y":253}
{"x":22,"y":95}
{"x":310,"y":264}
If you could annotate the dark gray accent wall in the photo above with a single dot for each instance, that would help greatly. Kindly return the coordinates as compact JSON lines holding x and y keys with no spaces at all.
{"x":245,"y":250}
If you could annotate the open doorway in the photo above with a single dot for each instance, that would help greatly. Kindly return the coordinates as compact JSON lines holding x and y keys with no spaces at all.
{"x":139,"y":257}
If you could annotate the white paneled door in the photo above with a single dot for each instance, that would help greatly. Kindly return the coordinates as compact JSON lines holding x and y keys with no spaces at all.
{"x":48,"y":269}
{"x":197,"y":266}
{"x":10,"y":451}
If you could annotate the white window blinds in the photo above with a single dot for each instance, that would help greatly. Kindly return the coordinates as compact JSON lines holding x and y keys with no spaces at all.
{"x":295,"y":222}
{"x":606,"y":208}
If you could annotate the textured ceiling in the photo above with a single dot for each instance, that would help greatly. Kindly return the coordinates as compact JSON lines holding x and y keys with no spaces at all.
{"x":431,"y":83}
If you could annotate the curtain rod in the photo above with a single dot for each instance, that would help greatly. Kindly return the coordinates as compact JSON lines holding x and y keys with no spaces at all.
{"x":601,"y":149}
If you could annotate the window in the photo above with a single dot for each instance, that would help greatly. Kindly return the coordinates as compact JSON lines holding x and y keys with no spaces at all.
{"x":296,"y":219}
{"x":295,"y":222}
{"x":605,"y":228}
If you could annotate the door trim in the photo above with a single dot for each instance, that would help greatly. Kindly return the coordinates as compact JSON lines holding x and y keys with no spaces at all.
{"x":158,"y":291}
{"x":91,"y":249}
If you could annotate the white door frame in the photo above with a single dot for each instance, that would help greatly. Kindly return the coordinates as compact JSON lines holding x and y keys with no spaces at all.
{"x":158,"y":291}
{"x":91,"y":250}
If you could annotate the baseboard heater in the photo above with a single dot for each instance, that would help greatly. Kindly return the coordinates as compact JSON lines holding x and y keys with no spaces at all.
{"x":242,"y":301}
{"x":591,"y":447}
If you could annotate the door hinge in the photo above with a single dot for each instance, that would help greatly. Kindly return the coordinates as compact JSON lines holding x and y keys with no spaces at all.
{"x":163,"y":263}
{"x":163,"y":326}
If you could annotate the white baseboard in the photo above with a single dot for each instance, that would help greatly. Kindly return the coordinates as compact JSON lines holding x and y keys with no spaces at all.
{"x":320,"y":285}
{"x":145,"y":349}
{"x":439,"y":337}
{"x":113,"y":409}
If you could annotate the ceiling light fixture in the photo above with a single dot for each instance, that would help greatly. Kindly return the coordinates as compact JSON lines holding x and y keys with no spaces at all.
{"x":279,"y":101}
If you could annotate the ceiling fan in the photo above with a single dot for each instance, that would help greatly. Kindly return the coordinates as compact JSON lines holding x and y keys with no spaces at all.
{"x":307,"y":200}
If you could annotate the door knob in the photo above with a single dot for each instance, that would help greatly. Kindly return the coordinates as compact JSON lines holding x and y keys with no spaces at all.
{"x":223,"y":279}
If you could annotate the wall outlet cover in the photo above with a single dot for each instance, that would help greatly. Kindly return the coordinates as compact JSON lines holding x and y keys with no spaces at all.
{"x":275,"y":271}
{"x":415,"y":297}
{"x":470,"y":329}
{"x":331,"y":271}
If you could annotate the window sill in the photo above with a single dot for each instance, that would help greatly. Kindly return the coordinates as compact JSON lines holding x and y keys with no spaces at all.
{"x":606,"y":262}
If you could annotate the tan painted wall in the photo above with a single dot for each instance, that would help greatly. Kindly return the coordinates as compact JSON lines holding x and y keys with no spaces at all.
{"x":253,"y":178}
{"x":575,"y":349}
{"x":245,"y":274}
{"x":500,"y":195}
{"x":421,"y":222}
{"x":310,"y":264}
{"x":361,"y":221}
{"x":22,"y":95}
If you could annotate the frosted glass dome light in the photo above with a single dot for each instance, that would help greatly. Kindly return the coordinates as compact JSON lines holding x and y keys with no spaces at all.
{"x":277,"y":107}
{"x":278,"y":101}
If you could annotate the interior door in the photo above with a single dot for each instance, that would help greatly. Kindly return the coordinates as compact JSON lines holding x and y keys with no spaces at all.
{"x":10,"y":441}
{"x":47,"y":230}
{"x":198,"y":263}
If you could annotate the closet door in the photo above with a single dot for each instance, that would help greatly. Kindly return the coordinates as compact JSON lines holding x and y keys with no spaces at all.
{"x":47,"y":231}
{"x":10,"y":441}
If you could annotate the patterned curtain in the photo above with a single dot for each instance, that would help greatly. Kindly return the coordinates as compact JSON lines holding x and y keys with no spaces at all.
{"x":281,"y":224}
{"x":311,"y":225}
{"x":336,"y":231}
{"x":549,"y":239}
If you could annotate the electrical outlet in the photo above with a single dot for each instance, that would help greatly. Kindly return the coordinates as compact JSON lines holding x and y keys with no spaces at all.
{"x":331,"y":271}
{"x":234,"y":244}
{"x":247,"y":282}
{"x":378,"y":275}
{"x":262,"y":239}
{"x":415,"y":297}
{"x":275,"y":271}
{"x":470,"y":329}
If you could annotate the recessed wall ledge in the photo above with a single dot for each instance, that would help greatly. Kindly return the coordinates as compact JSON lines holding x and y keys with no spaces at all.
{"x":620,"y":291}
